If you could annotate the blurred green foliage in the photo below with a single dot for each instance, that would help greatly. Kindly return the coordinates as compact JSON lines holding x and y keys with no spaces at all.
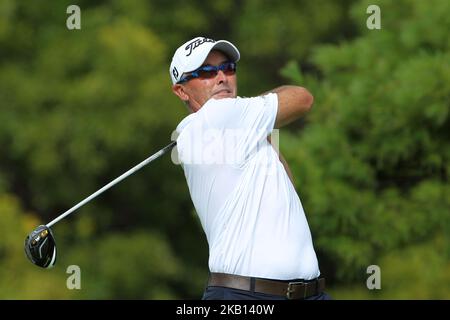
{"x":373,"y":160}
{"x":80,"y":107}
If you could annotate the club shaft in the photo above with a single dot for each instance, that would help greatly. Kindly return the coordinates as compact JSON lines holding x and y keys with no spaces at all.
{"x":115,"y":181}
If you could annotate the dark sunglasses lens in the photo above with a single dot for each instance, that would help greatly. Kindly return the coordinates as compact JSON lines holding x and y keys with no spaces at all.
{"x":207,"y":73}
{"x":229,"y":68}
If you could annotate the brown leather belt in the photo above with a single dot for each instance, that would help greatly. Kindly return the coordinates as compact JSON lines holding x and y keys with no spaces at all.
{"x":290,"y":290}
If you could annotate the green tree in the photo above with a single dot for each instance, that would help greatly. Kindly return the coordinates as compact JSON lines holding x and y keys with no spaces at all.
{"x":373,"y":161}
{"x":78,"y":108}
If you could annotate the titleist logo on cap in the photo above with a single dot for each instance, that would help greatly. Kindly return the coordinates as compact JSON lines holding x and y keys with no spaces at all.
{"x":194,"y":44}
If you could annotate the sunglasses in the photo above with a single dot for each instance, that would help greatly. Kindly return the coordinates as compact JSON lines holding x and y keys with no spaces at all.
{"x":207,"y":72}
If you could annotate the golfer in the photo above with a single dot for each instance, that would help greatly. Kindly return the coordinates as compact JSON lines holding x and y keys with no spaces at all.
{"x":260,"y":245}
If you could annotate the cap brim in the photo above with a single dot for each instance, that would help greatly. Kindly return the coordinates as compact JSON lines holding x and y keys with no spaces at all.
{"x":228,"y":48}
{"x":222,"y":45}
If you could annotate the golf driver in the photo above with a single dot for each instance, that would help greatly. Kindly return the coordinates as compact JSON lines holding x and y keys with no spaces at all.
{"x":40,"y":246}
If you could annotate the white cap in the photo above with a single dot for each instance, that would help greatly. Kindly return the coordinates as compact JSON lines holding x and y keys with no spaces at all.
{"x":193,"y":53}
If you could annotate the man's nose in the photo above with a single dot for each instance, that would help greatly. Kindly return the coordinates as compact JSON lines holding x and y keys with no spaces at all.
{"x":221,"y":77}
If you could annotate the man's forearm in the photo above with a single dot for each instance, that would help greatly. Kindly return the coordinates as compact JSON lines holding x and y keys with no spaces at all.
{"x":293,"y":102}
{"x":279,"y":89}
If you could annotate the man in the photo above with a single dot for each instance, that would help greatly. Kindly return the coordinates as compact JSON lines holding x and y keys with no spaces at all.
{"x":260,"y":245}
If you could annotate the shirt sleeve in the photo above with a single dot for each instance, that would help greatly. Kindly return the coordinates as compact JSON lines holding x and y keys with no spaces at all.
{"x":246,"y":120}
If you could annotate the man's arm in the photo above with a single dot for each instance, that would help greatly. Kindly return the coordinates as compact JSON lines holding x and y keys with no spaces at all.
{"x":293,"y":102}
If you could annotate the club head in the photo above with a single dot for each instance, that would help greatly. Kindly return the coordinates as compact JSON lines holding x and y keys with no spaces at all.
{"x":40,"y":247}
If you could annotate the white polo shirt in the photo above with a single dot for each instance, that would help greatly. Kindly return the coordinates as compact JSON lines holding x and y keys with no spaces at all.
{"x":250,"y":212}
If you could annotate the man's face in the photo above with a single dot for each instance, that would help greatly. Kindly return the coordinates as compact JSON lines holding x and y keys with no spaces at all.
{"x":199,"y":90}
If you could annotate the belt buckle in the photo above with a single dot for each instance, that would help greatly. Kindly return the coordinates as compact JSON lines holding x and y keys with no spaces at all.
{"x":290,"y":290}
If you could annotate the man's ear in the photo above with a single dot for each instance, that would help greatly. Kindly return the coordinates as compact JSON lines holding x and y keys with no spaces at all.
{"x":180,"y":91}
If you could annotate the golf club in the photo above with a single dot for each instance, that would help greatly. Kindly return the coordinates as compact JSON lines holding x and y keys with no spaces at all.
{"x":40,"y":246}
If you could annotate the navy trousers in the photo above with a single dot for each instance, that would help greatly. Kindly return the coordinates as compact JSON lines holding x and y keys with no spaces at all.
{"x":221,"y":293}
